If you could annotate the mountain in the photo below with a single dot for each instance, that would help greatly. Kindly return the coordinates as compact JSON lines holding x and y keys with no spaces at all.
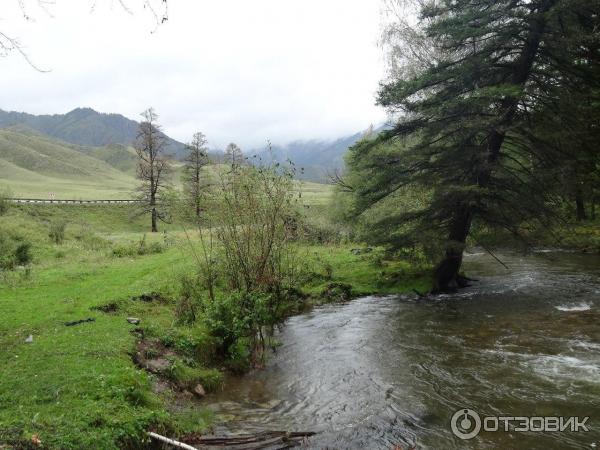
{"x":317,"y":158}
{"x":84,"y":126}
{"x":119,"y":156}
{"x":34,"y":165}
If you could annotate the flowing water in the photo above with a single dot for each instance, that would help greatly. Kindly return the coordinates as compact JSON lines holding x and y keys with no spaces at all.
{"x":385,"y":373}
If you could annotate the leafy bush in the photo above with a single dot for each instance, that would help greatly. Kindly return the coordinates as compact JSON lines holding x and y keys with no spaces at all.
{"x":243,"y":323}
{"x":256,"y":220}
{"x":89,"y":240}
{"x":321,"y":229}
{"x":250,"y":226}
{"x":57,"y":231}
{"x":23,"y":254}
{"x":14,"y":251}
{"x":122,"y":251}
{"x":5,"y":203}
{"x":189,"y":301}
{"x":194,"y":343}
{"x":139,"y":249}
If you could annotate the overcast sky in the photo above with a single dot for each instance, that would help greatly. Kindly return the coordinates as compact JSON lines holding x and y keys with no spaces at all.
{"x":237,"y":70}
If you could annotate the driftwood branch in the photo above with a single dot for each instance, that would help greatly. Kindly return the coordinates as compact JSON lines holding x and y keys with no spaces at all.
{"x":493,"y":256}
{"x":172,"y":442}
{"x":266,"y":439}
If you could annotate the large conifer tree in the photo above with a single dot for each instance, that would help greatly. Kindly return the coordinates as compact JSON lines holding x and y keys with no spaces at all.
{"x":463,"y":128}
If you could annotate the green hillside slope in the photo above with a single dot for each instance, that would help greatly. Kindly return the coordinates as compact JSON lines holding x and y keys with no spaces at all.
{"x":119,"y":156}
{"x":32,"y":165}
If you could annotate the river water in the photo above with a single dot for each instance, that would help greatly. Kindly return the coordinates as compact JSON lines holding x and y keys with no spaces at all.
{"x":385,"y":373}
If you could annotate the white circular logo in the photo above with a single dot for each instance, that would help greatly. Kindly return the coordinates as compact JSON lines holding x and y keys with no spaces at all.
{"x":465,"y":424}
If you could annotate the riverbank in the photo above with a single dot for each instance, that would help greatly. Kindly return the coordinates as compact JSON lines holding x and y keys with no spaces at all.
{"x":70,"y":372}
{"x":380,"y":372}
{"x":583,"y":236}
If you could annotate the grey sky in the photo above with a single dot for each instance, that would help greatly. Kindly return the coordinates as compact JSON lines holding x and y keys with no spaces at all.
{"x":237,"y":70}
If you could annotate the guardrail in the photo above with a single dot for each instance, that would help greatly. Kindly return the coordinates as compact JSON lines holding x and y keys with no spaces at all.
{"x":70,"y":201}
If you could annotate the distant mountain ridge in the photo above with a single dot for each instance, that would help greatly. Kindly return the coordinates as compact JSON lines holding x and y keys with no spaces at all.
{"x":315,"y":159}
{"x":84,"y":126}
{"x":108,"y":137}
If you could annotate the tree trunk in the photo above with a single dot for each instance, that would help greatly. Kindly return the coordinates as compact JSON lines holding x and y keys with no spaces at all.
{"x":446,"y":275}
{"x":580,"y":204}
{"x":154,"y":220}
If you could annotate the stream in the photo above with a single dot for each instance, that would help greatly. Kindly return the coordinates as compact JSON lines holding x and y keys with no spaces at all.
{"x":389,"y":372}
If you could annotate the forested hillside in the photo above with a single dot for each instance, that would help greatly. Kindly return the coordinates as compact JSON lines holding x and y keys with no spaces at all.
{"x":83,"y":126}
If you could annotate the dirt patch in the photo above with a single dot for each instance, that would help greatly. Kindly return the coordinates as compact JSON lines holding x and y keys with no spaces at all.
{"x":150,"y":297}
{"x":108,"y":308}
{"x":152,"y":356}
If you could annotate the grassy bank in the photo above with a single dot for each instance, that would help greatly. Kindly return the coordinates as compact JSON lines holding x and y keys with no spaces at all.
{"x":583,"y":236}
{"x":76,"y":385}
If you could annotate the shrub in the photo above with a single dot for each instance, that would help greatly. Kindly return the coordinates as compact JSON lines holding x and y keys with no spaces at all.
{"x":189,"y":301}
{"x":148,"y":249}
{"x":256,"y":220}
{"x":14,"y":251}
{"x":139,"y":249}
{"x":5,"y":203}
{"x":243,"y":323}
{"x":121,"y":251}
{"x":251,"y":223}
{"x":23,"y":254}
{"x":322,"y":230}
{"x":194,"y":343}
{"x":89,"y":240}
{"x":57,"y":231}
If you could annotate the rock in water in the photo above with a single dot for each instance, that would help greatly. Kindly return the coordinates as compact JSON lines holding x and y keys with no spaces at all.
{"x":199,"y":391}
{"x":133,"y":320}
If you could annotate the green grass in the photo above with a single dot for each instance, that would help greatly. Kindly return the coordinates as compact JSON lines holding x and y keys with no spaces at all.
{"x":582,"y":236}
{"x":33,"y":165}
{"x":77,"y":386}
{"x":316,"y":194}
{"x":119,"y":156}
{"x":367,"y":273}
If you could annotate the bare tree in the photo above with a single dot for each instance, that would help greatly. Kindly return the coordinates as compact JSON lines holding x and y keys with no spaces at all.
{"x":10,"y":44}
{"x":408,"y":47}
{"x":234,"y":155}
{"x":195,"y":160}
{"x":153,"y":167}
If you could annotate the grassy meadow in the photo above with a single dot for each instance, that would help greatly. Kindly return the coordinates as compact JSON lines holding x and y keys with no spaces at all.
{"x":77,"y":386}
{"x":34,"y":166}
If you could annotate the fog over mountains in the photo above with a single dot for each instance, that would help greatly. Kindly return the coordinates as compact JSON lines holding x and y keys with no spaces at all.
{"x":87,"y":127}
